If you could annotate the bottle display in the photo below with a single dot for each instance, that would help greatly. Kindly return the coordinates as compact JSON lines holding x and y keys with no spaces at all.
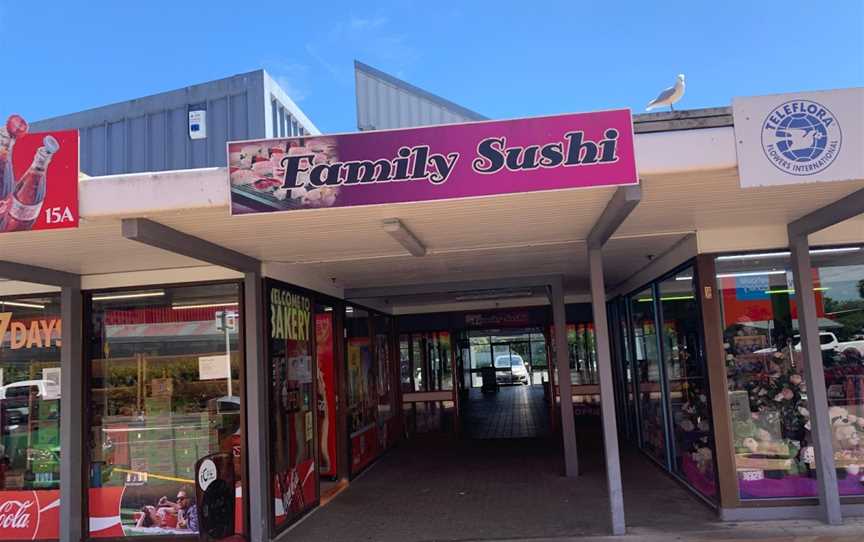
{"x":14,"y":128}
{"x":29,"y":192}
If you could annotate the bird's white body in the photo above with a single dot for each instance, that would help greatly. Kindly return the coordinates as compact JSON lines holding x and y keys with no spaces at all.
{"x":802,"y":139}
{"x":669,"y":96}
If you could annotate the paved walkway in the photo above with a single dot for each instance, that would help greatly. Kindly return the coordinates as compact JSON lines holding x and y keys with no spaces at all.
{"x":493,"y":489}
{"x":498,"y":488}
{"x":514,"y":412}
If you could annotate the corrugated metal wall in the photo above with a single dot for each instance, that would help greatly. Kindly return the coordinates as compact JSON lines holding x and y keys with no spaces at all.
{"x":385,"y":102}
{"x":152,"y":133}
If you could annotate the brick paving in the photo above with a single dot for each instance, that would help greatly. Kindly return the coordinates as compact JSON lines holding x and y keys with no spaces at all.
{"x":429,"y":490}
{"x":514,"y":412}
{"x":497,"y":486}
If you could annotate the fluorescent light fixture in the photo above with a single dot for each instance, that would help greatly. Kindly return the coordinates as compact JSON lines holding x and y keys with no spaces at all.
{"x":25,"y":305}
{"x":403,"y":236}
{"x":501,"y":294}
{"x":763,"y":255}
{"x":791,"y":291}
{"x":684,"y":278}
{"x":668,"y":298}
{"x":750,"y":274}
{"x":834,"y":250}
{"x":757,"y":256}
{"x":349,"y":309}
{"x":328,"y":309}
{"x":203,"y":305}
{"x":112,"y":297}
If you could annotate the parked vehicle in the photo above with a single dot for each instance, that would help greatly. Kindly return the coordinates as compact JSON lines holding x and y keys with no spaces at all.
{"x":46,"y":390}
{"x":827,"y":342}
{"x":518,"y":372}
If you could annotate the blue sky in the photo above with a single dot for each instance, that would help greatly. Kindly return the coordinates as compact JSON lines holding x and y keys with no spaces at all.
{"x":502,"y":59}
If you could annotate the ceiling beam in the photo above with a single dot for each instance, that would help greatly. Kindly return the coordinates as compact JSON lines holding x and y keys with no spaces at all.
{"x":625,"y":199}
{"x":39,"y":275}
{"x":450,"y":287}
{"x":844,"y":208}
{"x":156,"y":235}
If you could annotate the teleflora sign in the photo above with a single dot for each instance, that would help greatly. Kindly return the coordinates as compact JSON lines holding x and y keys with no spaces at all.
{"x":38,"y":178}
{"x":432,"y":163}
{"x":800,"y":138}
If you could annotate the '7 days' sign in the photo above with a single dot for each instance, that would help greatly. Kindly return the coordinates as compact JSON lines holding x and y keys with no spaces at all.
{"x":32,"y":334}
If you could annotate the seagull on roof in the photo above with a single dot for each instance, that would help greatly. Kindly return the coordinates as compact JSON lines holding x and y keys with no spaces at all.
{"x":669,"y":96}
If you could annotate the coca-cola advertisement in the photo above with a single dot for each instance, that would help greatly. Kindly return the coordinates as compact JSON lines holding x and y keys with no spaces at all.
{"x":38,"y":178}
{"x":29,"y":515}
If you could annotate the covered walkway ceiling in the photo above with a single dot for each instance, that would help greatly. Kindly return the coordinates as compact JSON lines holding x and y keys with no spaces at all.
{"x":538,"y":233}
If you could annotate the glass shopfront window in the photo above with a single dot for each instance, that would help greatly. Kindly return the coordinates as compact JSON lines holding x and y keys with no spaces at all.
{"x":626,"y":358}
{"x":384,"y":389}
{"x":30,"y":416}
{"x":293,"y":402}
{"x":652,"y":426}
{"x":583,"y":353}
{"x":165,"y":385}
{"x":362,"y":393}
{"x":687,"y":383}
{"x":768,"y":394}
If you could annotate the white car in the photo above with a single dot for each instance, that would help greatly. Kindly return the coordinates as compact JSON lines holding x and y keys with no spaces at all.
{"x":827,"y":341}
{"x":518,"y":373}
{"x":46,"y":390}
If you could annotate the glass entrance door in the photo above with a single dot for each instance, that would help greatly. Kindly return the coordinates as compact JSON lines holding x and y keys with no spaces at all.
{"x":518,"y":357}
{"x":512,"y":362}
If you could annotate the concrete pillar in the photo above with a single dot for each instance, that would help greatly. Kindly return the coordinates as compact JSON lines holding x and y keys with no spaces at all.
{"x":562,"y":362}
{"x":257,"y":410}
{"x":607,"y":393}
{"x":72,"y":482}
{"x":817,"y":398}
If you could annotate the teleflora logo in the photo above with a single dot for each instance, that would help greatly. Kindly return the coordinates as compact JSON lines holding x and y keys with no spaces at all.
{"x":801,"y":137}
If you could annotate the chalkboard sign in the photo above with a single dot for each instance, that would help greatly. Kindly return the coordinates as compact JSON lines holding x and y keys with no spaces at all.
{"x":214,"y":485}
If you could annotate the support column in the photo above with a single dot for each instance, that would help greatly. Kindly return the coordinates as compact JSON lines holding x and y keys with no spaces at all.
{"x":257,"y":410}
{"x":607,"y":396}
{"x":565,"y":387}
{"x":817,"y":398}
{"x":72,"y":481}
{"x":715,"y":362}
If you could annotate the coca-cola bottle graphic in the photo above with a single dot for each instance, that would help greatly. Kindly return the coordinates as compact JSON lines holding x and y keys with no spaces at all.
{"x":30,"y":190}
{"x":15,"y":127}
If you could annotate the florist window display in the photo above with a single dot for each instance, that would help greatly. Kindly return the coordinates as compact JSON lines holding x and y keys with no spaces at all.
{"x":767,"y":391}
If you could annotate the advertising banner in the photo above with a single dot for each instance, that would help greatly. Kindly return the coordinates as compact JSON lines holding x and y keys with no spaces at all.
{"x":38,"y":178}
{"x":326,"y":394}
{"x":29,"y":515}
{"x":35,"y":515}
{"x":799,"y":138}
{"x":293,"y":402}
{"x":433,"y":163}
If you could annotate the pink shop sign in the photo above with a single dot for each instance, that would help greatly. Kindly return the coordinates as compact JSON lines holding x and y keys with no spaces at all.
{"x":580,"y":150}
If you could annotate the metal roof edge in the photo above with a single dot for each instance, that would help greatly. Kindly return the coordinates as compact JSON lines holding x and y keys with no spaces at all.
{"x":688,"y":119}
{"x":438,"y":100}
{"x":123,"y":103}
{"x":273,"y":85}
